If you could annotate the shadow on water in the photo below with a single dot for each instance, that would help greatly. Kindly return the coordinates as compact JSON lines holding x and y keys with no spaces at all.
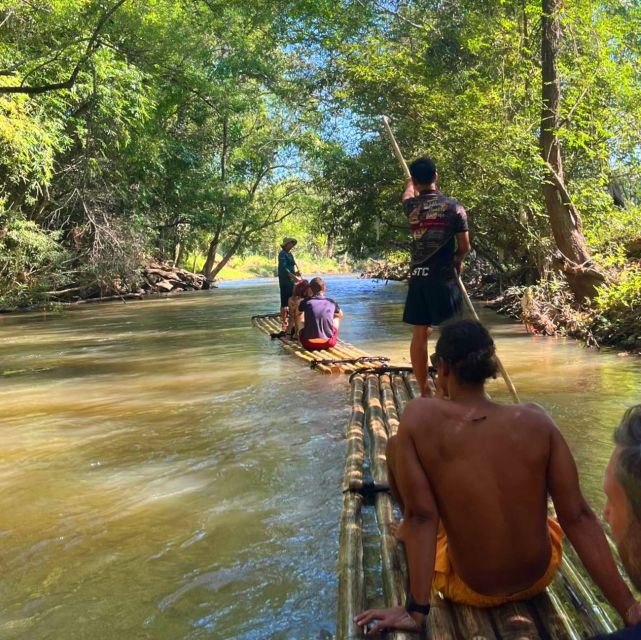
{"x":168,"y":472}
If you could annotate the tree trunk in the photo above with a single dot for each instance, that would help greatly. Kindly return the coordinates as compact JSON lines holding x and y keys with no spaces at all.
{"x":565,"y":220}
{"x":329,"y":246}
{"x":227,"y":257}
{"x":211,"y":256}
{"x":179,"y":253}
{"x":213,"y":245}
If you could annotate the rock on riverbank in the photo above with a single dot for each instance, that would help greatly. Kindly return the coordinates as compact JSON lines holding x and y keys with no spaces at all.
{"x":164,"y":278}
{"x":384,"y":270}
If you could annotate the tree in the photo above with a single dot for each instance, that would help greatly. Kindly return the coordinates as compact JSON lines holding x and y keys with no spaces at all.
{"x":565,"y":220}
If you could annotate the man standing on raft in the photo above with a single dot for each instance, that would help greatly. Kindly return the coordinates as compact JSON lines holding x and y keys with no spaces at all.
{"x":484,"y":472}
{"x":288,"y":275}
{"x":440,"y":241}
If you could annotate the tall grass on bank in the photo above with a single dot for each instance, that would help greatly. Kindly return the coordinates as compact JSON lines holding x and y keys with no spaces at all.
{"x":257,"y":266}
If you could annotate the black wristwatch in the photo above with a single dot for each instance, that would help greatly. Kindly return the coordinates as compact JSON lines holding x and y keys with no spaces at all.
{"x":414,"y":607}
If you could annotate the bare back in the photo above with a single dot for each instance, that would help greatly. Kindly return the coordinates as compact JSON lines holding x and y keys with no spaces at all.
{"x":487,"y":466}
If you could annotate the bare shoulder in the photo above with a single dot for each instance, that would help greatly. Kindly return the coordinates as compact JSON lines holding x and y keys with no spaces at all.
{"x":423,"y":413}
{"x":534,"y":415}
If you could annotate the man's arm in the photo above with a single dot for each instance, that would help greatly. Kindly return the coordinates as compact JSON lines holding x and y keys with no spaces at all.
{"x":410,"y":191}
{"x":420,"y":515}
{"x":419,"y":527}
{"x":463,"y":247}
{"x":582,"y":527}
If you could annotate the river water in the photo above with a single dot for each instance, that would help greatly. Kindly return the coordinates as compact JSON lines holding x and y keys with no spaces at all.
{"x":168,"y":472}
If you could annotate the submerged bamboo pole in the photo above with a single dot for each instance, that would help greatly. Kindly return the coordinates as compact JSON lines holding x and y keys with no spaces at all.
{"x":596,"y":617}
{"x":552,"y":616}
{"x":561,"y":596}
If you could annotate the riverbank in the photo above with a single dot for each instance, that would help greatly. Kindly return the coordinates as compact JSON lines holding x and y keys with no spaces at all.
{"x":548,"y":307}
{"x":157,"y":278}
{"x":260,"y":266}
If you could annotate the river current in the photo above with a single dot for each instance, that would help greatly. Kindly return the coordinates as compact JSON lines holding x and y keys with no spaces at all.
{"x":168,"y":472}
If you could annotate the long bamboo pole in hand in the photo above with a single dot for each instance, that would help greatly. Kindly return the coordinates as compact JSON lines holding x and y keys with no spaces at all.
{"x":466,"y":299}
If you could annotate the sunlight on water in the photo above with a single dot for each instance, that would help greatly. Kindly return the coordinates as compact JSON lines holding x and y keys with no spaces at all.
{"x":168,"y":472}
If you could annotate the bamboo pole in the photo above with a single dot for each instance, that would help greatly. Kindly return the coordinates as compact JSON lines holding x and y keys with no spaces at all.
{"x":595,"y":617}
{"x":466,"y":298}
{"x":393,"y":580}
{"x":440,"y":622}
{"x":351,"y":592}
{"x":550,"y":612}
{"x":514,"y":621}
{"x":412,"y":386}
{"x":351,"y":599}
{"x":389,"y":405}
{"x":377,"y":412}
{"x":474,"y":623}
{"x":565,"y":602}
{"x":401,"y":394}
{"x":375,"y":421}
{"x":355,"y":457}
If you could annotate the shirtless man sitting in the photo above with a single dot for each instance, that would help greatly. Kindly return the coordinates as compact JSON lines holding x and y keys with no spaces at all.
{"x":485,"y":471}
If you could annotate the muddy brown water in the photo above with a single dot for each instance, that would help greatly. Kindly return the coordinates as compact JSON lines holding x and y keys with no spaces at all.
{"x":168,"y":472}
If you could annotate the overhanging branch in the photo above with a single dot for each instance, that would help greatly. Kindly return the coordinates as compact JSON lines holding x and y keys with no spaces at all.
{"x":92,"y":45}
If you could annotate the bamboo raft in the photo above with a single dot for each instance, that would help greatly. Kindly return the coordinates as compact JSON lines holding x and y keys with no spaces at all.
{"x":343,"y":358}
{"x":570,"y":609}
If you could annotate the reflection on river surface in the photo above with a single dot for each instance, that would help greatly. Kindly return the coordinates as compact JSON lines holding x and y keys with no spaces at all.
{"x":168,"y":472}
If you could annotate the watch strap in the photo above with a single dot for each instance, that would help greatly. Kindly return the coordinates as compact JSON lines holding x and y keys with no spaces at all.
{"x":411,"y":606}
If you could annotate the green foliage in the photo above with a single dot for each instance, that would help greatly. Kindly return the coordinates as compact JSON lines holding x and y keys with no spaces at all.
{"x":617,"y":318}
{"x":196,"y":126}
{"x":31,"y":262}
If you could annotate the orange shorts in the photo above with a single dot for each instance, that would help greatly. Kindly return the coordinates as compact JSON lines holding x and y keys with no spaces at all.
{"x":453,"y":588}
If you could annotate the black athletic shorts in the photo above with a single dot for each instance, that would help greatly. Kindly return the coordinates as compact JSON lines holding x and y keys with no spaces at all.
{"x":432,"y":298}
{"x":286,"y":291}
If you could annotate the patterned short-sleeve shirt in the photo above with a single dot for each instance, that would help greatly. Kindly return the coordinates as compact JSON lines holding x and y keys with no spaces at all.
{"x":434,"y":222}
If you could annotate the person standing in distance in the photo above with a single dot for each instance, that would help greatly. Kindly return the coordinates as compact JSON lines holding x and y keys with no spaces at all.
{"x":288,"y":275}
{"x":440,"y":241}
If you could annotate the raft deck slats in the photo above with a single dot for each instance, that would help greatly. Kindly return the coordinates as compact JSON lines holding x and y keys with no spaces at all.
{"x":271,"y":325}
{"x":550,"y":616}
{"x":514,"y":621}
{"x":351,"y":575}
{"x":350,"y":561}
{"x":353,"y":476}
{"x":568,"y":610}
{"x":381,"y":414}
{"x":473,"y":623}
{"x":376,"y":428}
